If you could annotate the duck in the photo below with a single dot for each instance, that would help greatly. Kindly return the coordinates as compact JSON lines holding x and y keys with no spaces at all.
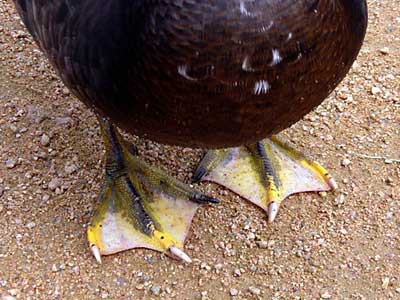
{"x":226,"y":75}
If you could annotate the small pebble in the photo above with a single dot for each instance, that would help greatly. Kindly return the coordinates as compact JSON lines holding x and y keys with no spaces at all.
{"x":30,"y":225}
{"x":54,"y":183}
{"x":233,"y":292}
{"x":14,"y":128}
{"x":326,"y":295}
{"x":76,"y":270}
{"x":375,"y":90}
{"x":65,"y":91}
{"x":251,"y":236}
{"x":254,"y":290}
{"x":389,"y":180}
{"x":70,"y":168}
{"x":45,"y":140}
{"x":155,"y":289}
{"x":346,"y":162}
{"x":384,"y":50}
{"x":339,"y":200}
{"x":45,"y":198}
{"x":323,"y":194}
{"x":385,"y":282}
{"x":54,"y":268}
{"x":63,"y":120}
{"x":262,"y":244}
{"x":205,"y":266}
{"x":10,"y":163}
{"x":13,"y":292}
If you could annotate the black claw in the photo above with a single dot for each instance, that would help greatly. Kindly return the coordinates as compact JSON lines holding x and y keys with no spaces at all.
{"x":201,"y":198}
{"x":200,"y":172}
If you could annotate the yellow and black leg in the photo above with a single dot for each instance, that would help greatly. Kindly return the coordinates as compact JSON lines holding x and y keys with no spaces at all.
{"x":140,"y":206}
{"x":264,"y":173}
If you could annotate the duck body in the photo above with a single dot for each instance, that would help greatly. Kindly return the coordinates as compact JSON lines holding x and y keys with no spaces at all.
{"x":216,"y":74}
{"x":199,"y":73}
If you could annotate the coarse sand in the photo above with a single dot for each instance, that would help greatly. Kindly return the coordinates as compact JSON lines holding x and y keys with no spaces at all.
{"x":336,"y":245}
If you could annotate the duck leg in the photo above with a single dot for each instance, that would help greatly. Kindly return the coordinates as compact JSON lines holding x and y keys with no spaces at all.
{"x":264,"y":173}
{"x":140,"y":206}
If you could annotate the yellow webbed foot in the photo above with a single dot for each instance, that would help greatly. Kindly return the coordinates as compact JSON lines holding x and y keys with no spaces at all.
{"x":140,"y":206}
{"x":264,"y":173}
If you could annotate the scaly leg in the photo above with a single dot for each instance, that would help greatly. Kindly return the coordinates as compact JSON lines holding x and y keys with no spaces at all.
{"x":140,"y":206}
{"x":264,"y":173}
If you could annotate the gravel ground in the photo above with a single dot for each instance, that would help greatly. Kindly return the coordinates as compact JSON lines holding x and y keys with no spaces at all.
{"x":341,"y":245}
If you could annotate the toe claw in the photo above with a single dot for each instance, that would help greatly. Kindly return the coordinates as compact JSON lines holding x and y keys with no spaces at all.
{"x":201,"y":198}
{"x":273,"y":208}
{"x":200,"y":172}
{"x":180,"y":254}
{"x":332,"y":183}
{"x":96,"y":253}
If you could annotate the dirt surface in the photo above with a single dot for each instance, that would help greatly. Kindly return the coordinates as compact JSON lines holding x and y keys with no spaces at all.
{"x":339,"y":245}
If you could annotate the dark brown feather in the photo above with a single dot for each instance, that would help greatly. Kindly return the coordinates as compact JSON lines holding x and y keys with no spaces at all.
{"x":196,"y":72}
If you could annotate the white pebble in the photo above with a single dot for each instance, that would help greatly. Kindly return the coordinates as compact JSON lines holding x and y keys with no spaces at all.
{"x":76,"y":270}
{"x":384,"y":50}
{"x":65,"y":91}
{"x":326,"y":295}
{"x":45,"y":140}
{"x":70,"y":168}
{"x":31,"y":225}
{"x":155,"y":289}
{"x":262,"y":244}
{"x":251,"y":236}
{"x":323,"y":194}
{"x":375,"y":90}
{"x":339,"y":200}
{"x":385,"y":282}
{"x":237,"y":272}
{"x":346,"y":162}
{"x":10,"y":163}
{"x":13,"y":292}
{"x":54,"y":183}
{"x":233,"y":292}
{"x":254,"y":290}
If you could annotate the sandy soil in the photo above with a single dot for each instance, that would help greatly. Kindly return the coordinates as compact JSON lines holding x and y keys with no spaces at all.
{"x":341,"y":245}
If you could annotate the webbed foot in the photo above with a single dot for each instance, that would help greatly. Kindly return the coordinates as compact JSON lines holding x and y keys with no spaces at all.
{"x":140,"y":206}
{"x":264,"y":173}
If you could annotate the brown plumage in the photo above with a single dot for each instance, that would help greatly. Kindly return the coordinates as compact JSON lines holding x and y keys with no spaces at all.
{"x":196,"y":72}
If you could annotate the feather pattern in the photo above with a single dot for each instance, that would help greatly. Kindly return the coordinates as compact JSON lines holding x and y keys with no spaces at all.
{"x":197,"y":72}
